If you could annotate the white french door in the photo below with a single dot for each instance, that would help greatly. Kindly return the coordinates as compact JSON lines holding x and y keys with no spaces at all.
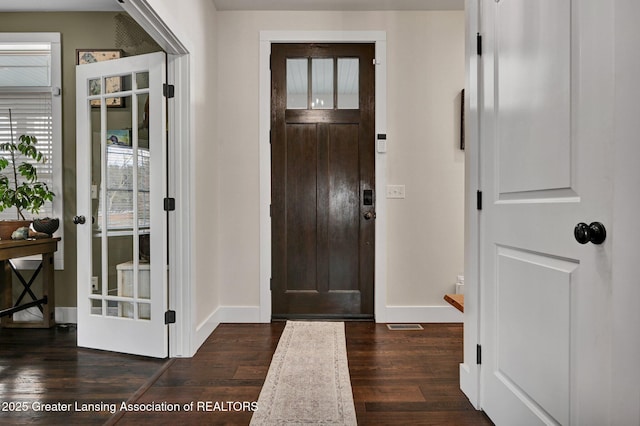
{"x":121,"y":222}
{"x":546,"y":118}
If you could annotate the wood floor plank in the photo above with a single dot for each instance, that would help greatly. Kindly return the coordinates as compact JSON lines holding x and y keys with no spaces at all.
{"x":395,"y":393}
{"x":398,"y":377}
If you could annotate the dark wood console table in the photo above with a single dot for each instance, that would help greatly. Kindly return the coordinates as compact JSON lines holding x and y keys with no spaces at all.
{"x":11,"y":249}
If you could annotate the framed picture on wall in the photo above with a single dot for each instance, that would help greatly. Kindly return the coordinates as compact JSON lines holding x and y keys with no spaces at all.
{"x":113,"y":84}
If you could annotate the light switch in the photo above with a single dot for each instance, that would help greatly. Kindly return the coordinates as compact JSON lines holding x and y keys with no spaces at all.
{"x":94,"y":192}
{"x":395,"y":191}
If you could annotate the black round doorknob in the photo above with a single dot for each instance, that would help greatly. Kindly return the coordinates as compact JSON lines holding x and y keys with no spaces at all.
{"x":581,"y":233}
{"x":595,"y":232}
{"x":79,"y":220}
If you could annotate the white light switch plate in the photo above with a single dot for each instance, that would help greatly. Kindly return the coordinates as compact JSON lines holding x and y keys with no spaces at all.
{"x":395,"y":191}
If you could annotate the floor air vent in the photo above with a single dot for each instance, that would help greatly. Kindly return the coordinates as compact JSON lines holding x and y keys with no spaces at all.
{"x":405,"y":327}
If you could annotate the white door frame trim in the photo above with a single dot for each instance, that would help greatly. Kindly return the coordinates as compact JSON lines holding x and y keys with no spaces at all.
{"x":181,"y":180}
{"x":380,"y":40}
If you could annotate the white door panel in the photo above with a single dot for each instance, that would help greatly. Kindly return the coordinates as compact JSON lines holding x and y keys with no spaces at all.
{"x":546,"y":130}
{"x":533,"y":292}
{"x":533,"y":95}
{"x":121,"y":179}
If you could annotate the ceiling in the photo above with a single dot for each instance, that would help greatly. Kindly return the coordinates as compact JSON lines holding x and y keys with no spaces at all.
{"x":356,"y":5}
{"x":60,"y":6}
{"x":346,"y":5}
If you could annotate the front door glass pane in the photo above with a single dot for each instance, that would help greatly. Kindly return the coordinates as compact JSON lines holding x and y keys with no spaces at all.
{"x":297,"y":83}
{"x":348,"y":83}
{"x":322,"y":83}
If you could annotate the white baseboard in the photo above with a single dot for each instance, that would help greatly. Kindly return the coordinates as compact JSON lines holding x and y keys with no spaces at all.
{"x":225,"y":314}
{"x":66,"y":315}
{"x":437,"y":314}
{"x":204,"y":330}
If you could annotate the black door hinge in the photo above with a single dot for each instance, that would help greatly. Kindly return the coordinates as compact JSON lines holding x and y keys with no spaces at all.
{"x":479,"y":200}
{"x":269,"y":135}
{"x":479,"y":44}
{"x":478,"y":354}
{"x":170,"y":317}
{"x":169,"y":204}
{"x":270,"y":210}
{"x":168,"y":90}
{"x":270,"y":283}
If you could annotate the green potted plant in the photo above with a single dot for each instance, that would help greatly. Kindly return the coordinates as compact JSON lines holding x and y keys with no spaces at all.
{"x":26,"y":193}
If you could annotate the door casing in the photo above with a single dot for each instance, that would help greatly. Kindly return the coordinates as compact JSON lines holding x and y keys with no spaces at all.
{"x":266,"y":38}
{"x":183,"y":341}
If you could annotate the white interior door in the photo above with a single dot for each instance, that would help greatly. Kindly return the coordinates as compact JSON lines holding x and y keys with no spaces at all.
{"x":121,"y":181}
{"x":546,"y":116}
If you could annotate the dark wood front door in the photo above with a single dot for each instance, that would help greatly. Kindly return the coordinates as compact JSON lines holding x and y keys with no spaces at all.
{"x":323,"y":180}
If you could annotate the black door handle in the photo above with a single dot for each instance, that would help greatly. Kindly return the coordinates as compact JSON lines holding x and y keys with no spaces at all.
{"x":79,"y":220}
{"x":595,"y":232}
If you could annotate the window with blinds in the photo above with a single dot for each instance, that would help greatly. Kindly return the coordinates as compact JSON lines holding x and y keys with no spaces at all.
{"x":26,"y":108}
{"x":31,"y":115}
{"x":30,"y":80}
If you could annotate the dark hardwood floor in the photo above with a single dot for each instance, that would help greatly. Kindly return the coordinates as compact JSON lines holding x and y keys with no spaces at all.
{"x":44,"y":366}
{"x":398,"y":377}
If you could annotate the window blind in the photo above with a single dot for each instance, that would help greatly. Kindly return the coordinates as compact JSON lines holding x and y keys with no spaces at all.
{"x":31,"y":114}
{"x":25,"y":89}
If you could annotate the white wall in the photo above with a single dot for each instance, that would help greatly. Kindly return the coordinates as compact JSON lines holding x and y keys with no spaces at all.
{"x":425,"y":53}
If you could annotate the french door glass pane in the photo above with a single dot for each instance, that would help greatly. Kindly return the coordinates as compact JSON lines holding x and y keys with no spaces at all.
{"x":95,"y":88}
{"x":120,"y":204}
{"x":144,"y":311}
{"x":119,"y":309}
{"x":96,"y":306}
{"x":142,"y":80}
{"x":144,"y":163}
{"x":117,"y":202}
{"x":96,"y":176}
{"x":118,"y":83}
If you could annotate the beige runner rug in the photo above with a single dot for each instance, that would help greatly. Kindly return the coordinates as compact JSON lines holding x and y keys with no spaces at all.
{"x":308,"y":380}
